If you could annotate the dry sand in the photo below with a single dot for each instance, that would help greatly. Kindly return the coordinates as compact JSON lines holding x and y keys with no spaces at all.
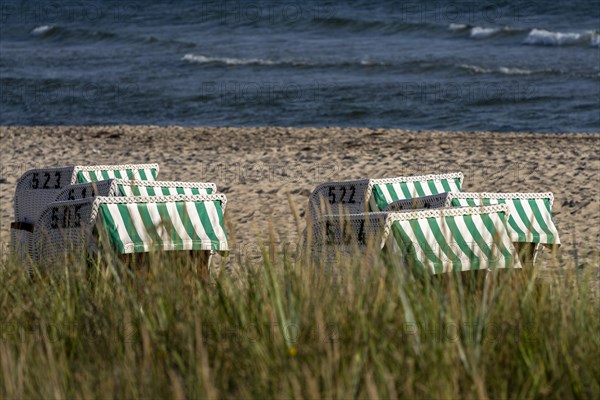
{"x":258,"y":168}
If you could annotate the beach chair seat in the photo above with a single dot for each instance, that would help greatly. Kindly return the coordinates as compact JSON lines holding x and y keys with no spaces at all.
{"x":358,"y":196}
{"x":530,"y":222}
{"x":426,"y":202}
{"x":131,"y":225}
{"x":434,"y":241}
{"x":37,"y":188}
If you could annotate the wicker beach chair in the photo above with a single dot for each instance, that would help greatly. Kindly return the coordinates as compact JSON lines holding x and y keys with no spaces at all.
{"x":358,"y":196}
{"x":131,"y":225}
{"x":530,"y":222}
{"x":37,"y":188}
{"x":435,"y":241}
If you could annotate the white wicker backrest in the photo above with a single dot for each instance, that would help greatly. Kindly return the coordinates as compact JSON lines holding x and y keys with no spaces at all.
{"x":39,"y":187}
{"x":339,"y":197}
{"x":342,"y":235}
{"x":85,"y":190}
{"x":64,"y":227}
{"x":434,"y":201}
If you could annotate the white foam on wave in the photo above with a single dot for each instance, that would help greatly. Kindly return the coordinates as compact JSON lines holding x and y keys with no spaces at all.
{"x":549,"y":38}
{"x":457,"y":27}
{"x":200,"y":59}
{"x":476,"y":69}
{"x":40,"y":30}
{"x":501,"y":70}
{"x":481,"y":33}
{"x":516,"y":71}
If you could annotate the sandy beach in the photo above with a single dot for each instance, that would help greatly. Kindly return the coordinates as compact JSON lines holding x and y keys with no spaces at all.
{"x":261,"y":168}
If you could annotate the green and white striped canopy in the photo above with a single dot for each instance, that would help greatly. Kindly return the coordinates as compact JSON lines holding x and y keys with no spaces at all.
{"x":142,"y":224}
{"x":143,"y":172}
{"x":459,"y":239}
{"x":386,"y":191}
{"x":530,"y":219}
{"x":434,"y":241}
{"x":138,"y":188}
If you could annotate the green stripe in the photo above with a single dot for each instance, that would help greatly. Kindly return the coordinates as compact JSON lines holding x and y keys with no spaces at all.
{"x":151,"y":191}
{"x":446,"y":185}
{"x":142,"y":174}
{"x":408,"y":248}
{"x":491,"y":227}
{"x":464,"y":246}
{"x":379,"y":197}
{"x":512,"y":225}
{"x":154,"y":173}
{"x":93,"y":176}
{"x":127,"y":220}
{"x":526,"y":220}
{"x":219,"y":208}
{"x":81,"y":178}
{"x":208,"y":228}
{"x":163,"y":211}
{"x":419,"y":188}
{"x":439,"y":237}
{"x":150,"y":228}
{"x":195,"y":190}
{"x":476,"y":235}
{"x":392,"y":191}
{"x":111,"y":229}
{"x":432,"y":187}
{"x":457,"y":183}
{"x":187,"y":222}
{"x":406,"y":190}
{"x":118,"y":174}
{"x":129,"y":173}
{"x":180,"y":190}
{"x":540,"y":220}
{"x":424,"y":245}
{"x":165,"y":191}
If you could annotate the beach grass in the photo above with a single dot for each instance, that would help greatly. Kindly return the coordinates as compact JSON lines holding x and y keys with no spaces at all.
{"x":278,"y":328}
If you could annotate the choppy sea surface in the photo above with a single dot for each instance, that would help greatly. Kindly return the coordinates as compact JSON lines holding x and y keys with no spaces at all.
{"x":472,"y":65}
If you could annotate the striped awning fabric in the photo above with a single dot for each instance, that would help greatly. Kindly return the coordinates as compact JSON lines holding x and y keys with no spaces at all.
{"x":530,"y":218}
{"x":386,"y":191}
{"x":434,"y":241}
{"x":142,"y":224}
{"x":144,"y":172}
{"x":455,"y":239}
{"x":138,"y":188}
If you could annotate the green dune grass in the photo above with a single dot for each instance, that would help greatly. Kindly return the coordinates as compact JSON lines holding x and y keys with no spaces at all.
{"x":278,"y":328}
